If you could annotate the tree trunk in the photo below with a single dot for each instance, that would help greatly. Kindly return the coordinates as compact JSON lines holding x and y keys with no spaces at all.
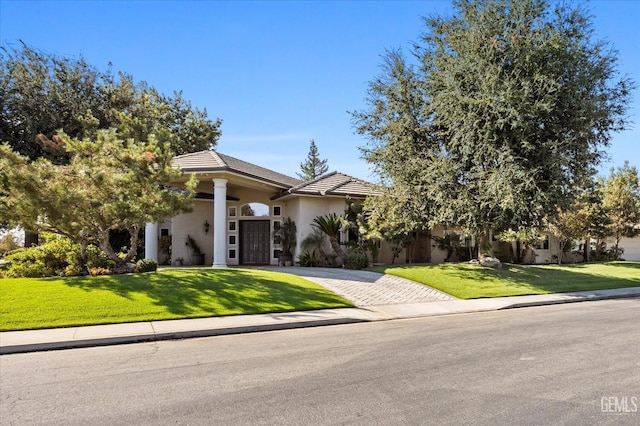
{"x":84,"y":270}
{"x":561,"y":246}
{"x":122,"y":266}
{"x":586,"y":249}
{"x":335,"y":245}
{"x":133,"y":239}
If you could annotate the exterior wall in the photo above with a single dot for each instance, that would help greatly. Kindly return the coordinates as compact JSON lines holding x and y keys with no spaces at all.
{"x":385,"y":254}
{"x":631,"y":248}
{"x":304,"y":209}
{"x":193,"y":224}
{"x":437,"y":254}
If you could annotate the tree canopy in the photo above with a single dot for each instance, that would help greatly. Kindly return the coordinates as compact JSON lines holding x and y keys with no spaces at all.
{"x":42,"y":93}
{"x":45,"y":97}
{"x":621,"y":200}
{"x":108,"y":183}
{"x":313,"y":166}
{"x":507,"y":109}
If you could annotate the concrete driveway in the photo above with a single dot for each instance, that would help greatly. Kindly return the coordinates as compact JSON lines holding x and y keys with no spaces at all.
{"x":365,"y":288}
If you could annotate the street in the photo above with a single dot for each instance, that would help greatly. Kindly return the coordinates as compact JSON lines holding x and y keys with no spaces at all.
{"x":576,"y":363}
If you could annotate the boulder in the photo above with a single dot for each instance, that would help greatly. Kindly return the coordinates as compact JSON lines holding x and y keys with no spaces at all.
{"x":490,"y":262}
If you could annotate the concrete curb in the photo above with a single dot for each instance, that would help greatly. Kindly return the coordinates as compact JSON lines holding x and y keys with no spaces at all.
{"x":584,"y":296}
{"x":118,"y":340}
{"x":114,"y":334}
{"x":15,"y":342}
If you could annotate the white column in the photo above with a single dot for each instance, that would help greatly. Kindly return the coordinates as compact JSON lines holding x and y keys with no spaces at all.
{"x":220,"y":223}
{"x":151,"y":241}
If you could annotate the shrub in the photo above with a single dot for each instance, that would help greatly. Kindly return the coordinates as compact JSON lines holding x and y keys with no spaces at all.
{"x":23,"y":264}
{"x":55,"y":256}
{"x":34,"y":262}
{"x":309,"y":259}
{"x":96,"y":258}
{"x":147,"y":265}
{"x":356,"y":259}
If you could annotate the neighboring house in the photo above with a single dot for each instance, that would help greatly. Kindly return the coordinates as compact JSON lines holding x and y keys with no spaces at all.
{"x":631,"y":248}
{"x":239,"y":204}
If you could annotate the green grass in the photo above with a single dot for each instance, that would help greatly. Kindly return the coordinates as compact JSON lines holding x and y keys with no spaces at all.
{"x":172,"y":293}
{"x":467,"y":281}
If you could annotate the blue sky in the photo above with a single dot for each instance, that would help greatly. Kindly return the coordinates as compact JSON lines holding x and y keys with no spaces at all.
{"x":277,"y":73}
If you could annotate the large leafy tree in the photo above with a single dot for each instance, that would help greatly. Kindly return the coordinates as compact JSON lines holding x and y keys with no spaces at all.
{"x":508,"y":108}
{"x":313,"y":166}
{"x":108,"y":183}
{"x":43,"y":93}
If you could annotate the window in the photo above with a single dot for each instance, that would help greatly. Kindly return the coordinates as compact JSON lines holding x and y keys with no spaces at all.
{"x":232,"y":254}
{"x":233,"y":212}
{"x":463,"y":239}
{"x":232,"y":225}
{"x":164,"y":232}
{"x":543,"y":245}
{"x":232,"y":240}
{"x":277,"y":211}
{"x":254,"y":210}
{"x":277,"y":239}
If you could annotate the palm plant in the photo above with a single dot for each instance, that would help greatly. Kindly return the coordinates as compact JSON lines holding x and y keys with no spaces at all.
{"x":286,"y":235}
{"x":330,"y":225}
{"x":313,"y":252}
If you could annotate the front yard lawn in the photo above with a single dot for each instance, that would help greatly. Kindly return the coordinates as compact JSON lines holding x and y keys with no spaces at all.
{"x":467,"y":281}
{"x":172,"y":293}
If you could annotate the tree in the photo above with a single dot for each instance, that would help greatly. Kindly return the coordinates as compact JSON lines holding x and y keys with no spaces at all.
{"x":331,"y":224}
{"x":622,"y":202}
{"x":8,"y":242}
{"x":566,"y":226}
{"x":596,"y":226}
{"x":508,"y":109}
{"x":43,"y":93}
{"x":586,"y":218}
{"x":313,"y":166}
{"x":107,"y":184}
{"x":524,"y":239}
{"x":393,"y":216}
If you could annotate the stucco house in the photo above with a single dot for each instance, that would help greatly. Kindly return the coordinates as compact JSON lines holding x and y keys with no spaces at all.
{"x":239,"y":204}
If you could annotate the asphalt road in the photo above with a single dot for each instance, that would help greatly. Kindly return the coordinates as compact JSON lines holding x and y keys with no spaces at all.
{"x":565,"y":364}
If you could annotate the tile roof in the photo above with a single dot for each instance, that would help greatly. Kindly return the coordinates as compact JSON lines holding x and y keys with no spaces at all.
{"x":335,"y":183}
{"x":211,"y":161}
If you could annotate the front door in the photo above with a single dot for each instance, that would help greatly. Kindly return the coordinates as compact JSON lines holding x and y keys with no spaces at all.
{"x":255,"y":239}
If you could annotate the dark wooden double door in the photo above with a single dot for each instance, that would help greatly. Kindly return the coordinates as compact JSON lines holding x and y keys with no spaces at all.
{"x":255,"y":242}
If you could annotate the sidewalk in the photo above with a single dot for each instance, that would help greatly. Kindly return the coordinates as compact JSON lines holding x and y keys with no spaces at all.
{"x":75,"y":337}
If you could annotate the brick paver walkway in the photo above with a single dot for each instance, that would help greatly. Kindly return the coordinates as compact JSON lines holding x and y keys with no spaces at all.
{"x":365,"y":288}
